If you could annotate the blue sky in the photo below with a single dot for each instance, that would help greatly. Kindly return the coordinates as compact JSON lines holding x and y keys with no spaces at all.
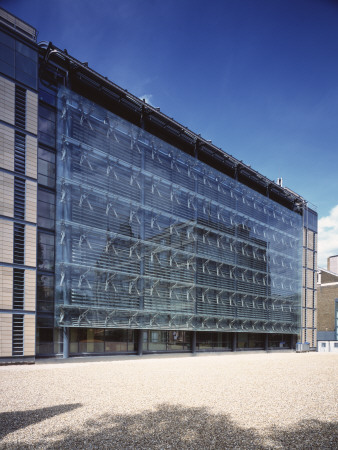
{"x":257,"y":77}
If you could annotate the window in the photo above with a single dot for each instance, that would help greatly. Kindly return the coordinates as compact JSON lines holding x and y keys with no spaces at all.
{"x":7,"y":54}
{"x":46,"y":168}
{"x":47,"y":93}
{"x":26,"y":64}
{"x":323,"y":344}
{"x":46,"y":209}
{"x":45,"y":251}
{"x":46,"y":126}
{"x":45,"y":293}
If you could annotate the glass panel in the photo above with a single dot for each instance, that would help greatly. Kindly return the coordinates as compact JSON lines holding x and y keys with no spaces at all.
{"x":7,"y":69}
{"x":176,"y":340}
{"x":91,"y":340}
{"x":7,"y":55}
{"x":45,"y":293}
{"x":58,"y":340}
{"x":242,"y":340}
{"x":73,"y":340}
{"x":26,"y":65}
{"x":46,"y":167}
{"x":154,"y":238}
{"x":44,"y":341}
{"x":26,"y":51}
{"x":46,"y":126}
{"x":117,"y":340}
{"x":157,"y":341}
{"x":25,"y":78}
{"x":45,"y":251}
{"x":256,"y":340}
{"x":7,"y":40}
{"x":280,"y":341}
{"x":46,"y":209}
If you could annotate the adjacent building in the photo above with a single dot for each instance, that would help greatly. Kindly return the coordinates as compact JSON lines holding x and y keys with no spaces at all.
{"x":327,"y":288}
{"x":124,"y":231}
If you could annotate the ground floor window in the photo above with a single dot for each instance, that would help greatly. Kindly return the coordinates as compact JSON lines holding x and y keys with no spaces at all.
{"x":157,"y":340}
{"x":100,"y":340}
{"x":279,"y":340}
{"x":250,"y":340}
{"x":212,"y":341}
{"x":49,"y":341}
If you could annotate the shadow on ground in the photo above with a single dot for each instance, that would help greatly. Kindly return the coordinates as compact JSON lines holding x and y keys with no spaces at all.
{"x":175,"y":427}
{"x":12,"y":421}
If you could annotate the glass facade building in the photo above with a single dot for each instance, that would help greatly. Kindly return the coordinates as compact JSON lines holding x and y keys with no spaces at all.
{"x":148,"y":237}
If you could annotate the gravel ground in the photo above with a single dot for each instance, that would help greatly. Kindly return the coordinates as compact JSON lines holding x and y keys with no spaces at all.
{"x":242,"y":401}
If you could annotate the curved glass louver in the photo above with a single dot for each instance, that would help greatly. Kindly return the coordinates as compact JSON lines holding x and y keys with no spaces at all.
{"x":149,"y":237}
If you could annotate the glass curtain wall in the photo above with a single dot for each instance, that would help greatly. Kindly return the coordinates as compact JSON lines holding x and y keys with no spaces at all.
{"x":149,"y":237}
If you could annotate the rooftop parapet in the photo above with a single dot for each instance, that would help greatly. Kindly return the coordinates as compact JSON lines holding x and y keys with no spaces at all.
{"x":18,"y":25}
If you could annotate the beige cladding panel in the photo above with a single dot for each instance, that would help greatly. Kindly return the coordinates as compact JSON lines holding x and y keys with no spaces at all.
{"x":6,"y":194}
{"x":29,"y":335}
{"x":309,"y":337}
{"x":310,"y":277}
{"x":30,"y":290}
{"x":31,"y":201}
{"x":31,"y":156}
{"x":309,"y":317}
{"x":7,"y":100}
{"x":6,"y":147}
{"x":6,"y":287}
{"x":310,"y":259}
{"x":5,"y":335}
{"x":310,"y":240}
{"x":6,"y":241}
{"x":32,"y":112}
{"x":30,"y":245}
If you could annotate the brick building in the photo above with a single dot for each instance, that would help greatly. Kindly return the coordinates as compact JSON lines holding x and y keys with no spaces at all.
{"x":327,"y":308}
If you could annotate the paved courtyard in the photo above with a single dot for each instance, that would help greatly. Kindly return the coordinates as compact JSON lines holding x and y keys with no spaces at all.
{"x":246,"y":400}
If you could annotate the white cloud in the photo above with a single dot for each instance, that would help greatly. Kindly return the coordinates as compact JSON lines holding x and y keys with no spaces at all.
{"x":147,"y":98}
{"x":327,"y":237}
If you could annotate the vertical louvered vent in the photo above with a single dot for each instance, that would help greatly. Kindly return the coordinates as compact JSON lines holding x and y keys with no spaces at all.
{"x":20,"y":107}
{"x":19,"y":243}
{"x":19,"y":198}
{"x":18,"y":334}
{"x":20,"y":153}
{"x":18,"y":288}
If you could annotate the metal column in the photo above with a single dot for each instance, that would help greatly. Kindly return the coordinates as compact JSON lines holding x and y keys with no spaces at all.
{"x":193,"y":343}
{"x":234,"y":342}
{"x":66,"y":342}
{"x":140,"y":343}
